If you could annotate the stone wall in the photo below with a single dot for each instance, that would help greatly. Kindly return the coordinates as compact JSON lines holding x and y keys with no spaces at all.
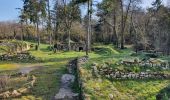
{"x":12,"y":47}
{"x":74,"y":46}
{"x":14,"y":50}
{"x":18,"y":56}
{"x":109,"y":73}
{"x":79,"y":63}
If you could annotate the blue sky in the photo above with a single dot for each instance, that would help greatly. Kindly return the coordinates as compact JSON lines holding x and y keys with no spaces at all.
{"x":8,"y":8}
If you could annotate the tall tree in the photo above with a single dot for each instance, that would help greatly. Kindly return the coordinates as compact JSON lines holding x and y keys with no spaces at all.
{"x":89,"y":13}
{"x":124,"y":16}
{"x":68,"y":13}
{"x":108,"y":13}
{"x":49,"y":27}
{"x":35,"y":9}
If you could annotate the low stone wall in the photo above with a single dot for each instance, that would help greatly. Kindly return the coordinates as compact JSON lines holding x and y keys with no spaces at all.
{"x":73,"y":46}
{"x":79,"y":63}
{"x":12,"y":47}
{"x":109,"y":73}
{"x":157,"y":63}
{"x":18,"y":56}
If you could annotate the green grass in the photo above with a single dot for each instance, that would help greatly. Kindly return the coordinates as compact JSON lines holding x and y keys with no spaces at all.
{"x":54,"y":65}
{"x":96,"y":89}
{"x":124,"y":90}
{"x":48,"y":75}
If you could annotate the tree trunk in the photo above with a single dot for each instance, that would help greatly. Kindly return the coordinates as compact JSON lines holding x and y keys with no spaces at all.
{"x":114,"y":30}
{"x":38,"y":35}
{"x":88,"y":30}
{"x":56,"y":32}
{"x":69,"y":40}
{"x":123,"y":21}
{"x":49,"y":24}
{"x":90,"y":35}
{"x":122,"y":25}
{"x":22,"y":31}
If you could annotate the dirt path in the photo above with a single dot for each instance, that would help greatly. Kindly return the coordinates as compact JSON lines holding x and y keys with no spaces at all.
{"x":27,"y":69}
{"x":65,"y":91}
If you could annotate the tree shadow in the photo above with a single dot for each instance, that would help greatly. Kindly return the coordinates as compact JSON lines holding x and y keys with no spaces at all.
{"x":164,"y":94}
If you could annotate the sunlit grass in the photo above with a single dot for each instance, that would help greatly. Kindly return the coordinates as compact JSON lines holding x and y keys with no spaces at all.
{"x":53,"y":65}
{"x":121,"y":90}
{"x":8,"y":66}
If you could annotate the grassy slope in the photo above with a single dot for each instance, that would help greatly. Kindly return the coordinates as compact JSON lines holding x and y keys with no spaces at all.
{"x":121,"y":90}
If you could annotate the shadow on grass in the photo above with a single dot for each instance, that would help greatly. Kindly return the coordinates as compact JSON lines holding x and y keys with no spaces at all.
{"x":164,"y":94}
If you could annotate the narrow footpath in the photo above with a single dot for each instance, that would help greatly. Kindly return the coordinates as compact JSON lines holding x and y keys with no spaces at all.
{"x":65,"y":91}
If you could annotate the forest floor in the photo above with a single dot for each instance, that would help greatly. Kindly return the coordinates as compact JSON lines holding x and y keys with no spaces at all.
{"x":50,"y":67}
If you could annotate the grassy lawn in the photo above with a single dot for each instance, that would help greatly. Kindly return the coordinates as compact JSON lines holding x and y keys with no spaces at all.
{"x":54,"y":65}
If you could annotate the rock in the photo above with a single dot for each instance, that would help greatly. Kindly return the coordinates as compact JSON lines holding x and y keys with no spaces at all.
{"x":33,"y":80}
{"x":95,"y":71}
{"x":66,"y":94}
{"x":5,"y":95}
{"x":94,"y":64}
{"x":15,"y":93}
{"x":67,"y":78}
{"x":23,"y":90}
{"x":111,"y":96}
{"x":83,"y":60}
